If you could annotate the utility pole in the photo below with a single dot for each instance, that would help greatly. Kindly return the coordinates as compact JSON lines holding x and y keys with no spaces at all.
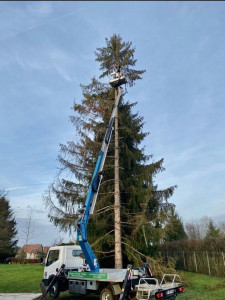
{"x":117,"y":224}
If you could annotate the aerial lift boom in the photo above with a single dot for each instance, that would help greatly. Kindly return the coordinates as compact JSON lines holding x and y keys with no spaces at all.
{"x":90,"y":202}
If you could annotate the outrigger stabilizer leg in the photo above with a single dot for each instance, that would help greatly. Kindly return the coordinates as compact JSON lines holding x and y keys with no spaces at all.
{"x":54,"y":280}
{"x":126,"y":286}
{"x":148,"y":272}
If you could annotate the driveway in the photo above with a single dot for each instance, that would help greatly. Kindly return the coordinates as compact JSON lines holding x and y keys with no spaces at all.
{"x":19,"y":296}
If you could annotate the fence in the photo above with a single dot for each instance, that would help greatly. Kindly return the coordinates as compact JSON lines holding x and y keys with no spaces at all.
{"x":211,"y":263}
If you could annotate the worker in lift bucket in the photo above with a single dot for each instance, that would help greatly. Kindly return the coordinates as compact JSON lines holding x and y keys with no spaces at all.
{"x":117,"y":70}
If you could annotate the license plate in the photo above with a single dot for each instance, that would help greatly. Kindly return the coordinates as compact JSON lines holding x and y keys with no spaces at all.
{"x":170,"y":292}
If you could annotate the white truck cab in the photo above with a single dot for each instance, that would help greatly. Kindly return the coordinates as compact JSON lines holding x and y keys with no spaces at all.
{"x":71,"y":256}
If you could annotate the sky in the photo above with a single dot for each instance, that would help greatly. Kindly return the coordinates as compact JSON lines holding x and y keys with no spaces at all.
{"x":47,"y":51}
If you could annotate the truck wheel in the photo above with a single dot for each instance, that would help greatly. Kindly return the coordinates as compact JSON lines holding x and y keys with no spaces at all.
{"x":106,"y":294}
{"x":54,"y":291}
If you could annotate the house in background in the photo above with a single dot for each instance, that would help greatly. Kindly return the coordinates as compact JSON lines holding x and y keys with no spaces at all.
{"x":33,"y":251}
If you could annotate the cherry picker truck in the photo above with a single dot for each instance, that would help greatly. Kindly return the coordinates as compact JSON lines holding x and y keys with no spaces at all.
{"x":76,"y":268}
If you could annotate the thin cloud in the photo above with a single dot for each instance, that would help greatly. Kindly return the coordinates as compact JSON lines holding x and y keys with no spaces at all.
{"x":15,"y":188}
{"x":45,"y":23}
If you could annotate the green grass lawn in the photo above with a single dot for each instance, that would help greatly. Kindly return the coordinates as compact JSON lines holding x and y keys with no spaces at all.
{"x":20,"y":278}
{"x":201,"y":287}
{"x":26,"y":279}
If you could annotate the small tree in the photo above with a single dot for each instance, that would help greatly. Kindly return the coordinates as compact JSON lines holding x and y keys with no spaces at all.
{"x":174,"y":228}
{"x":21,"y":256}
{"x":28,"y":229}
{"x":212,"y":230}
{"x":8,"y":229}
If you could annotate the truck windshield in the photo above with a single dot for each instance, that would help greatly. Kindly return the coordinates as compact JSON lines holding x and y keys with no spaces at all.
{"x":76,"y":253}
{"x":53,"y":256}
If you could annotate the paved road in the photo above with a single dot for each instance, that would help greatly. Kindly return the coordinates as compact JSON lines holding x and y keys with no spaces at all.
{"x":18,"y":296}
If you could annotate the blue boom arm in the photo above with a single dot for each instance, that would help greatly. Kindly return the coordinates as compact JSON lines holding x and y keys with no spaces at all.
{"x":93,"y":192}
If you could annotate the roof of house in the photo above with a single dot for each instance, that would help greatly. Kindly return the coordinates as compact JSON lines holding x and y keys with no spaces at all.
{"x":45,"y":249}
{"x":29,"y":248}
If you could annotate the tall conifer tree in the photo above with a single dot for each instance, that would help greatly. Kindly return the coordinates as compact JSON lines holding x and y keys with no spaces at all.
{"x":141,"y":210}
{"x":8,"y":229}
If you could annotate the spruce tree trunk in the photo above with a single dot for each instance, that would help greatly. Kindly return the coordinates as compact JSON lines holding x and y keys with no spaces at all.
{"x":117,"y":225}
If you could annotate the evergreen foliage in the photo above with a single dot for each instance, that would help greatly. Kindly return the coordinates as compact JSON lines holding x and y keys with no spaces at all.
{"x":8,"y":229}
{"x":174,"y":228}
{"x":123,"y":54}
{"x":212,"y":230}
{"x":142,"y":212}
